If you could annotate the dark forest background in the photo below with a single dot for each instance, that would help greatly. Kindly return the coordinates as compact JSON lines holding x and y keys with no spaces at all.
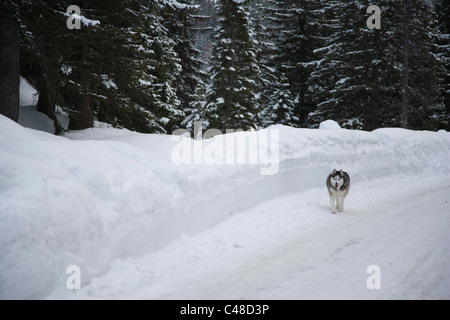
{"x":156,"y":66}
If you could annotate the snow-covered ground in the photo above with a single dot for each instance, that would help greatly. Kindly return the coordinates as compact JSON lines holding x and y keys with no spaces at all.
{"x":139,"y":225}
{"x":289,"y":248}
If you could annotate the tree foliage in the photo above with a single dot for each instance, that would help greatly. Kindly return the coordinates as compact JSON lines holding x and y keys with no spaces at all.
{"x":232,"y":100}
{"x":157,"y":65}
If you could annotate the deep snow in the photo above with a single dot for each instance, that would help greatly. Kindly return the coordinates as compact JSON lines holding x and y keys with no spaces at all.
{"x":114,"y":203}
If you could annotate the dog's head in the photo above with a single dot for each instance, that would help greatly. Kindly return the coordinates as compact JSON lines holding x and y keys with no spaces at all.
{"x":337,"y":179}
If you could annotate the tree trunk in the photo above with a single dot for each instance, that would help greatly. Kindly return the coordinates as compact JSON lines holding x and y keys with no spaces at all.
{"x":405,"y":71}
{"x":84,"y":117}
{"x":9,"y":68}
{"x":46,"y":103}
{"x":372,"y":113}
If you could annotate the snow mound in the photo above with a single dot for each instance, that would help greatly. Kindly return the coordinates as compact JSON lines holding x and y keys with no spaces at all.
{"x":103,"y":194}
{"x":329,"y":125}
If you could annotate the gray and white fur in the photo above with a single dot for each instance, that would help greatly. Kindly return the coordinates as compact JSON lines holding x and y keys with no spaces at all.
{"x":338,"y":185}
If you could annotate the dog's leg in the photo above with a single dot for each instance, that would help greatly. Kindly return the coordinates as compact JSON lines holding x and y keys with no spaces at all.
{"x":341,"y":204}
{"x":337,"y":202}
{"x":333,"y":204}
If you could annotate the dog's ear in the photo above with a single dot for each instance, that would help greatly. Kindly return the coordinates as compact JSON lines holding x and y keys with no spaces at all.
{"x":340,"y":172}
{"x":334,"y":171}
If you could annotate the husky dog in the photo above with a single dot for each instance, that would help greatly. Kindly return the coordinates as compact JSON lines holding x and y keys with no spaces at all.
{"x":338,"y":185}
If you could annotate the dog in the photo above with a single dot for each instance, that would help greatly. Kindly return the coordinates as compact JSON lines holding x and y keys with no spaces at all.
{"x":338,"y":185}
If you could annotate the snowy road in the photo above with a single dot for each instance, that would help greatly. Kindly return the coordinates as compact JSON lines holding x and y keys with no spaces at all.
{"x":293,"y":248}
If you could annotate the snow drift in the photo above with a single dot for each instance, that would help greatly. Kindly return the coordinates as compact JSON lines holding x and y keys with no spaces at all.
{"x":102,"y":194}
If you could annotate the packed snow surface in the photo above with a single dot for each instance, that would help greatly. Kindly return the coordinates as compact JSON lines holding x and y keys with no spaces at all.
{"x":329,"y":125}
{"x":140,"y":224}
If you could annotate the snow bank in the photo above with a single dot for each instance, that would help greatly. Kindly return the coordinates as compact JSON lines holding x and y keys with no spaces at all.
{"x":329,"y":125}
{"x":102,"y":194}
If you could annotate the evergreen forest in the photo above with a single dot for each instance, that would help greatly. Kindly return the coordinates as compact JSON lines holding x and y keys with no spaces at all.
{"x":154,"y":66}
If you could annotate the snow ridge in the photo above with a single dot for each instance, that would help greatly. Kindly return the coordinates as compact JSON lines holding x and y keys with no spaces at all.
{"x":103,"y":194}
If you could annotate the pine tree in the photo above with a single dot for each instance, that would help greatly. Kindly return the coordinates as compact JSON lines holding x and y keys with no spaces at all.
{"x":300,"y":34}
{"x":122,"y":92}
{"x":190,"y":83}
{"x":157,"y":69}
{"x":122,"y":70}
{"x":442,"y":40}
{"x":57,"y":61}
{"x":421,"y":69}
{"x":282,"y":108}
{"x":9,"y":61}
{"x":83,"y":77}
{"x":261,"y":28}
{"x":376,"y":78}
{"x":340,"y":79}
{"x":205,"y":24}
{"x":232,"y":100}
{"x":274,"y":97}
